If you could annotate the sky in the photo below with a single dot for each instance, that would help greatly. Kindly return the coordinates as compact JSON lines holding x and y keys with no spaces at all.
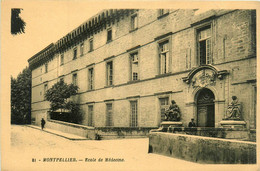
{"x":45,"y":23}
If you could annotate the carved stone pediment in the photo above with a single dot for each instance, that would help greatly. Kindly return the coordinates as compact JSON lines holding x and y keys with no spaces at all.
{"x":204,"y":75}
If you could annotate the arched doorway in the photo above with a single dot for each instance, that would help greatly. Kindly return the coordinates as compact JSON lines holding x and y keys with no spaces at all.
{"x":205,"y":108}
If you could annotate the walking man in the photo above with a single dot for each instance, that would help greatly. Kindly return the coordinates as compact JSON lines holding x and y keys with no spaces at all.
{"x":42,"y":123}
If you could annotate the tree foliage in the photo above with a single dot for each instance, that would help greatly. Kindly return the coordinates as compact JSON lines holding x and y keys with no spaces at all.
{"x":21,"y":98}
{"x":59,"y":95}
{"x":17,"y":24}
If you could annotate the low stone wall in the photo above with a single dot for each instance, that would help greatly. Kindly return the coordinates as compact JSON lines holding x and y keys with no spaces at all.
{"x":98,"y":133}
{"x":202,"y":149}
{"x":228,"y":133}
{"x":123,"y":132}
{"x":76,"y":129}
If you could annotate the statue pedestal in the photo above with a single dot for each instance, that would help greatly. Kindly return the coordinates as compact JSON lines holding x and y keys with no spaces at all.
{"x":167,"y":124}
{"x":233,"y":124}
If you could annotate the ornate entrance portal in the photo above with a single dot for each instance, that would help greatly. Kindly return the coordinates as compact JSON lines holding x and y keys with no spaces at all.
{"x":205,"y":108}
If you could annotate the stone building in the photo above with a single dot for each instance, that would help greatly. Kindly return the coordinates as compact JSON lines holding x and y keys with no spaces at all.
{"x":130,"y":64}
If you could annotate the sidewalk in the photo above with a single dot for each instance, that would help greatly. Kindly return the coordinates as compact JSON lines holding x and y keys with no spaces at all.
{"x":59,"y":133}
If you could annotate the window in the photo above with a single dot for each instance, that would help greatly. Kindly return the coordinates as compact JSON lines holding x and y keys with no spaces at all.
{"x":91,"y":44}
{"x":45,"y":90}
{"x":61,"y":59}
{"x":164,"y":104}
{"x":204,"y":46}
{"x":134,"y":66}
{"x":46,"y":67}
{"x":110,"y":73}
{"x":91,"y":78}
{"x":109,"y":115}
{"x":81,"y":49}
{"x":75,"y":53}
{"x":164,"y":57}
{"x":109,"y":35}
{"x":163,"y":12}
{"x":90,"y":115}
{"x":133,"y":114}
{"x":75,"y":79}
{"x":134,"y":22}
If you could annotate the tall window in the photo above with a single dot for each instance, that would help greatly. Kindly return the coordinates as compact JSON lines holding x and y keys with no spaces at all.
{"x":91,"y":78}
{"x":81,"y":49}
{"x":74,"y":53}
{"x":134,"y":66}
{"x":45,"y":90}
{"x":75,"y":79}
{"x":109,"y":35}
{"x":164,"y":57}
{"x":164,"y":104}
{"x":204,"y":46}
{"x":91,"y":44}
{"x":109,"y":73}
{"x":61,"y":59}
{"x":134,"y":114}
{"x":134,"y":22}
{"x":109,"y":119}
{"x":163,"y":12}
{"x":46,"y":67}
{"x":90,"y":115}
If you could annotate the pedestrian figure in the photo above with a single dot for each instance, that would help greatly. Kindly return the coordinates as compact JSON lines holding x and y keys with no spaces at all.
{"x":42,"y":123}
{"x":192,"y":123}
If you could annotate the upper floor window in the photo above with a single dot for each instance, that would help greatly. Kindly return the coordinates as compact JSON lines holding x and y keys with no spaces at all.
{"x":134,"y":66}
{"x":110,"y":73}
{"x":134,"y":22}
{"x":204,"y":45}
{"x":81,"y":49}
{"x":164,"y":57}
{"x":74,"y":53}
{"x":46,"y":67}
{"x":75,"y":79}
{"x":91,"y":45}
{"x":109,"y":35}
{"x":163,"y":12}
{"x":61,"y":59}
{"x":91,"y":78}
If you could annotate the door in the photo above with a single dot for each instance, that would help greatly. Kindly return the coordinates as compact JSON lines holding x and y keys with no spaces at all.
{"x":205,"y":108}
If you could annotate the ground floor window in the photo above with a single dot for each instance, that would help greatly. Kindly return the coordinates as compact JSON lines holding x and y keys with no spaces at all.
{"x":134,"y":114}
{"x":164,"y":104}
{"x":109,"y":113}
{"x":90,"y":115}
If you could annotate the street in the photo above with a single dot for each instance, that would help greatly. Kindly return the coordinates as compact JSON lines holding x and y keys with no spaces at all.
{"x":32,"y":148}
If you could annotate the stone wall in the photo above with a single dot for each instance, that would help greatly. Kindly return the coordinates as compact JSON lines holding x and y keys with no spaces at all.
{"x":99,"y":133}
{"x":80,"y":130}
{"x":202,"y":149}
{"x":232,"y":49}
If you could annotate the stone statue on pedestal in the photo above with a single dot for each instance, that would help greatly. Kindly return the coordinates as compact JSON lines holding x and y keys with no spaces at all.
{"x":234,"y":110}
{"x":173,"y":112}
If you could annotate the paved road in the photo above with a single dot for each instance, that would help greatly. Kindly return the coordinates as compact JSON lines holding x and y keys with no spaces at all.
{"x":28,"y":144}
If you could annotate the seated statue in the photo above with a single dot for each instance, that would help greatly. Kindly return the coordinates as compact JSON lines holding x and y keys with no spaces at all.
{"x":234,"y":110}
{"x":173,"y":112}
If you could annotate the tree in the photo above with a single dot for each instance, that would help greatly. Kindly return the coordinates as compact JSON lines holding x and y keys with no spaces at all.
{"x":58,"y":95}
{"x":17,"y":24}
{"x":21,"y":98}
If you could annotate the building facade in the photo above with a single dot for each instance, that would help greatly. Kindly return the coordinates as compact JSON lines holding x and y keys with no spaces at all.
{"x":130,"y":64}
